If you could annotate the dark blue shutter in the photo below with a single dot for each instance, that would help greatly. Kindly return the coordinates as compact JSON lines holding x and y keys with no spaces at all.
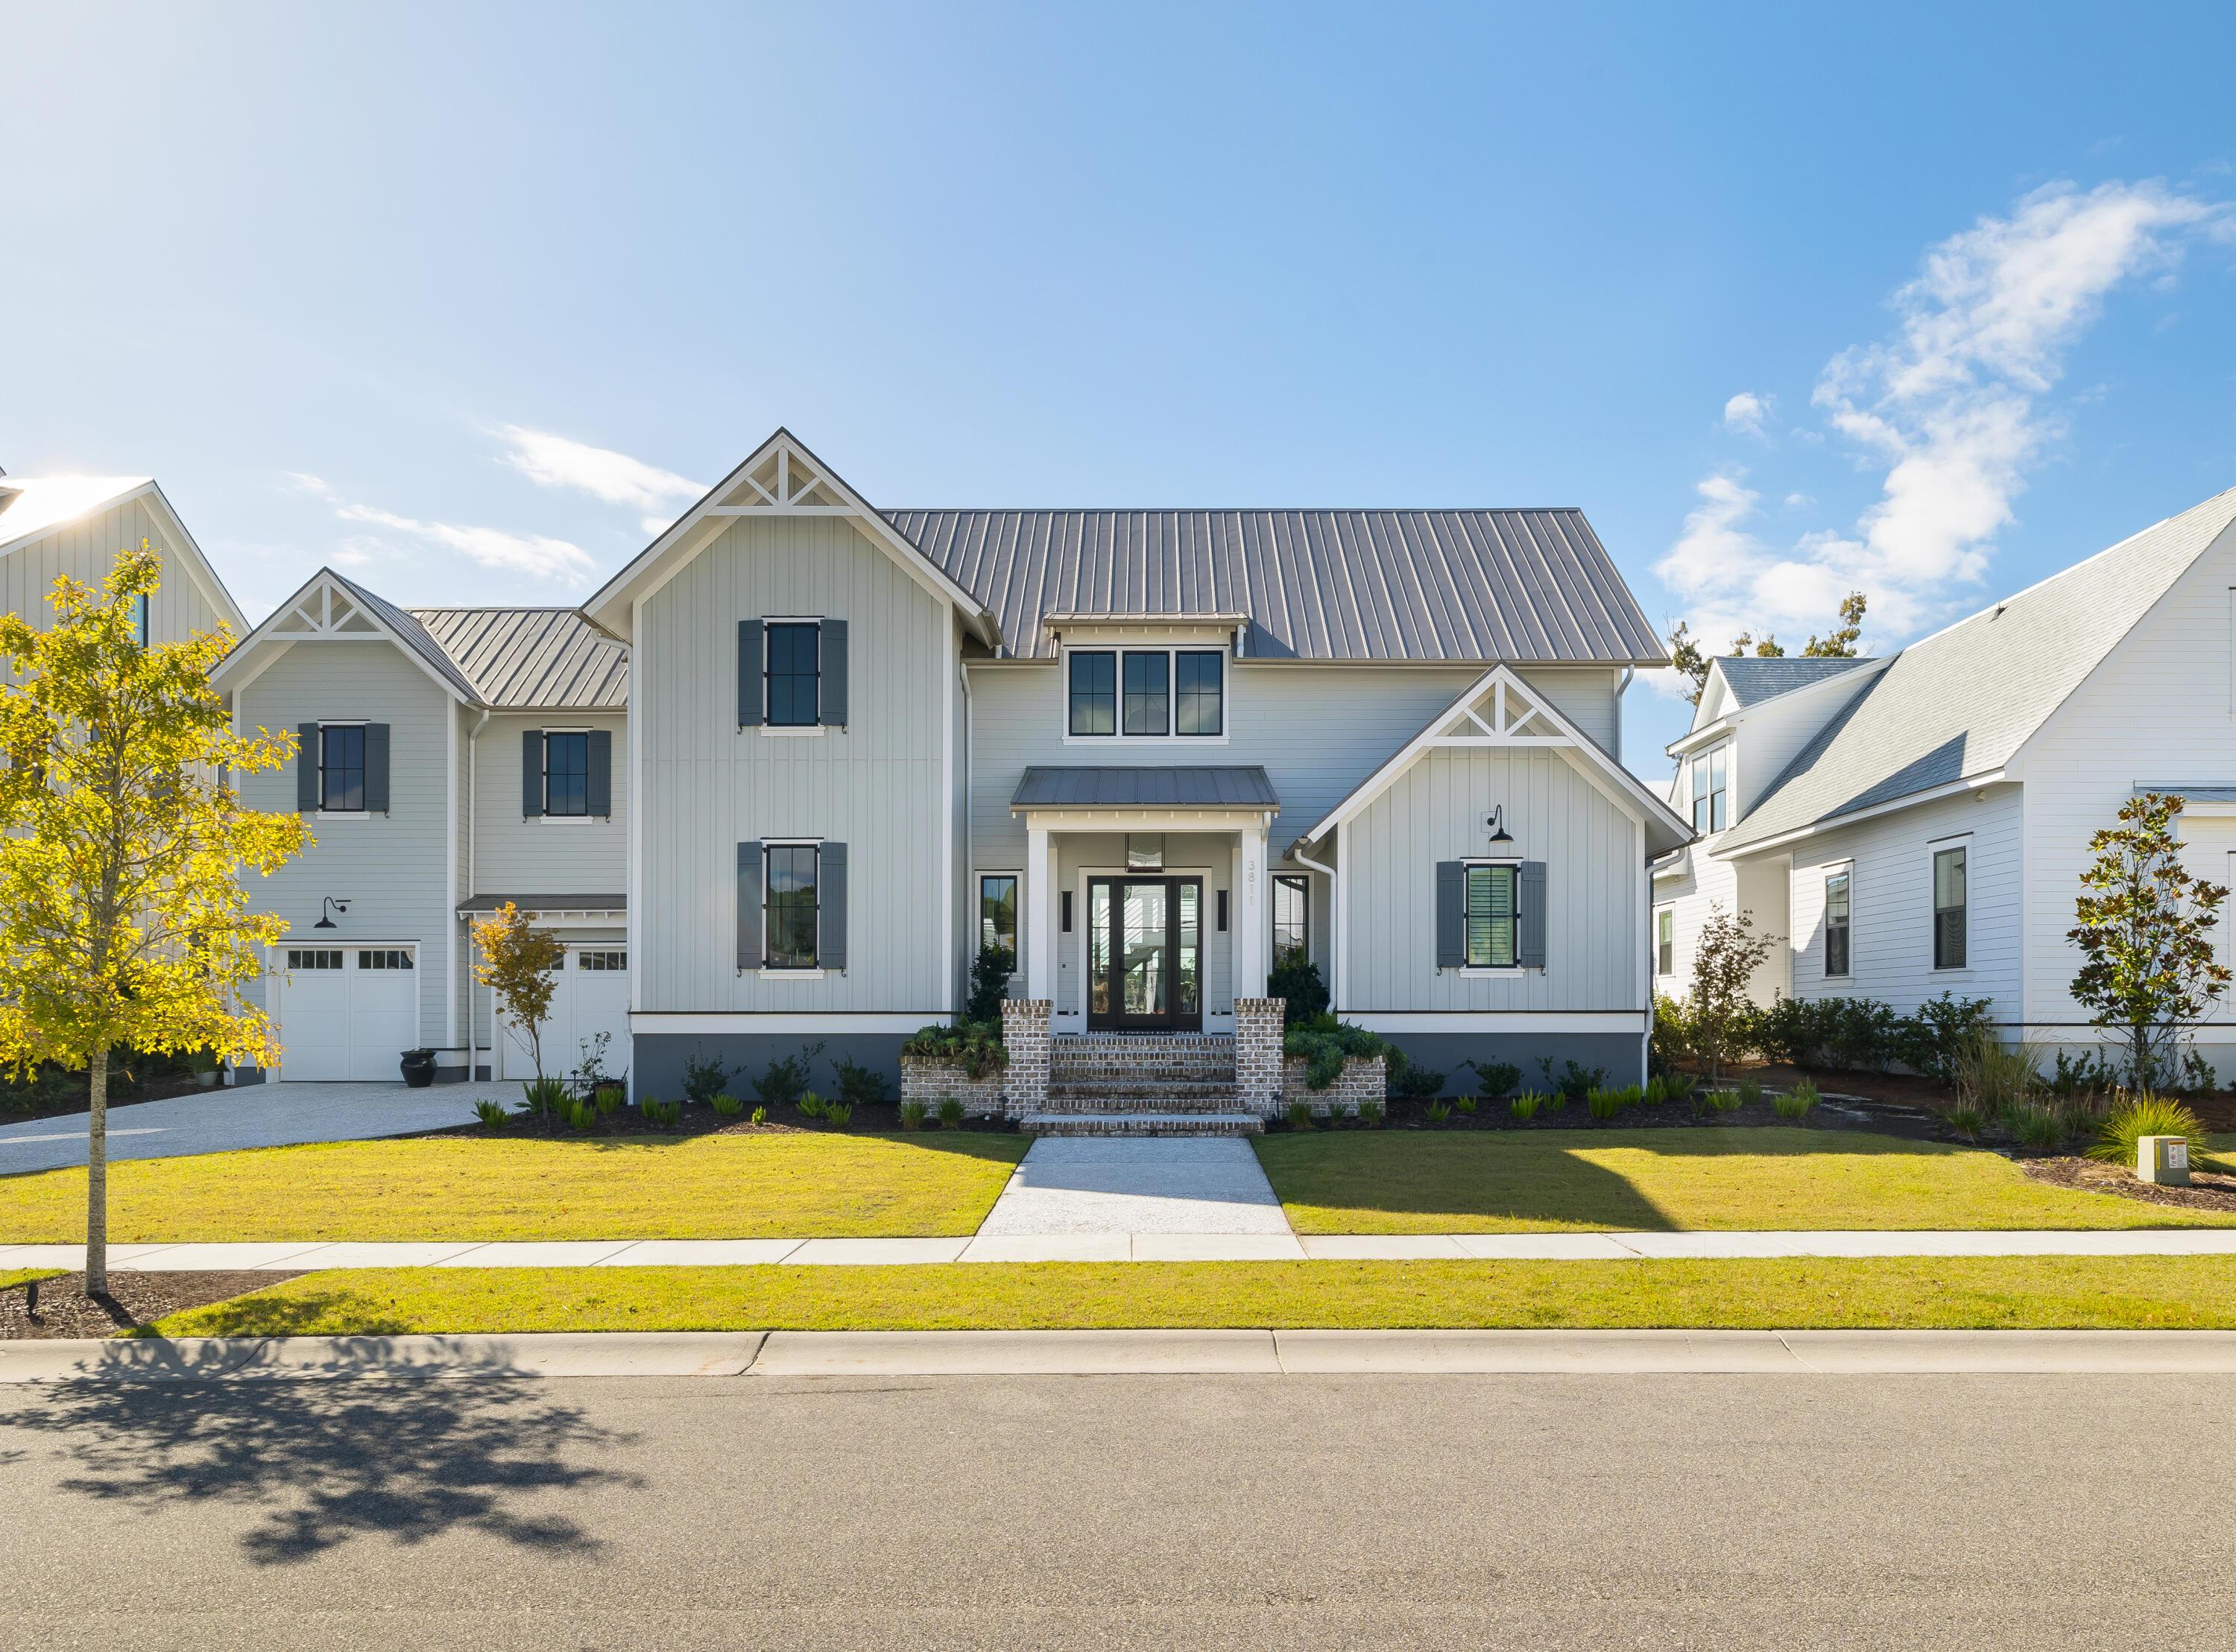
{"x":830,"y":907}
{"x":306,"y":766}
{"x":531,"y":772}
{"x":749,"y":905}
{"x":601,"y":773}
{"x":750,"y":644}
{"x":376,"y":768}
{"x":1529,"y":903}
{"x":1451,"y":914}
{"x":834,"y":674}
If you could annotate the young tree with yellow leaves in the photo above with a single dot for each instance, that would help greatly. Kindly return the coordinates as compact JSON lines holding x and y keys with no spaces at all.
{"x":516,"y":963}
{"x":122,"y":916}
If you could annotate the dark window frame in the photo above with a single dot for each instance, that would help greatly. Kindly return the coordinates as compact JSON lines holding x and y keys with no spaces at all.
{"x":790,"y":678}
{"x":1301,"y":886}
{"x":330,"y":735}
{"x":140,"y":618}
{"x":1143,"y":704}
{"x":1014,"y":882}
{"x":1950,"y":935}
{"x":1840,"y":925}
{"x":1099,"y":699}
{"x":579,"y":782}
{"x":791,"y":910}
{"x":1490,"y":917}
{"x":1185,"y":694}
{"x":1104,"y":701}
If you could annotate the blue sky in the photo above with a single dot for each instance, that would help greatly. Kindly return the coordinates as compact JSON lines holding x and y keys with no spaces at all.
{"x":1929,"y":300}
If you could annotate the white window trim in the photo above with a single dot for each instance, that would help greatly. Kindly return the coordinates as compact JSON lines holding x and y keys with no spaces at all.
{"x":1728,"y":747}
{"x":342,"y":814}
{"x":816,"y":973}
{"x":1185,"y":742}
{"x":1825,"y":873}
{"x":1935,"y":846}
{"x":569,"y":819}
{"x":1493,"y":971}
{"x":786,"y":731}
{"x":1668,"y":909}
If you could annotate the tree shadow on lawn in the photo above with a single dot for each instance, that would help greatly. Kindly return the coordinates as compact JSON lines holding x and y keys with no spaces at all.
{"x":1539,"y":1177}
{"x":322,"y":1463}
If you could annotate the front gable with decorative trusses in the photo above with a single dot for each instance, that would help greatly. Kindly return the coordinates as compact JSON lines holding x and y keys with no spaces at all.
{"x":330,"y":608}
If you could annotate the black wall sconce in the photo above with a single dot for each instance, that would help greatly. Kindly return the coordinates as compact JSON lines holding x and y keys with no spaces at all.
{"x":325,"y":921}
{"x":1496,"y":821}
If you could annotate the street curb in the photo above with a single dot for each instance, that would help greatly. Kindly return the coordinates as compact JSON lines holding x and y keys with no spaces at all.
{"x":1135,"y":1353}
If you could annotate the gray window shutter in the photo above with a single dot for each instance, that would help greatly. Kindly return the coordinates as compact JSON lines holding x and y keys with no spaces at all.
{"x":1451,"y":914}
{"x":531,"y":772}
{"x":376,"y":768}
{"x":752,"y":644}
{"x":1529,"y":903}
{"x":306,"y":766}
{"x":833,"y":664}
{"x":602,"y":772}
{"x":749,"y":905}
{"x":830,"y":907}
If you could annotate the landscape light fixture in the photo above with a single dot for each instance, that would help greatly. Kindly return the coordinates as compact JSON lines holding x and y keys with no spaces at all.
{"x":1496,"y":821}
{"x":325,"y":921}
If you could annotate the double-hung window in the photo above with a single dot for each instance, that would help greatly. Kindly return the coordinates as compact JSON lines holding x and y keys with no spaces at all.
{"x":790,"y":913}
{"x":1147,"y":693}
{"x":997,"y":910}
{"x":1708,"y":791}
{"x":1490,"y":917}
{"x":1292,"y":928}
{"x":1948,"y":909}
{"x":1836,"y":924}
{"x":567,"y":774}
{"x":341,"y":769}
{"x":1664,"y":942}
{"x":795,"y":674}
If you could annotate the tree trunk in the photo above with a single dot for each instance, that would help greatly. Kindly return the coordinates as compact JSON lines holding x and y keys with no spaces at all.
{"x":96,"y":1178}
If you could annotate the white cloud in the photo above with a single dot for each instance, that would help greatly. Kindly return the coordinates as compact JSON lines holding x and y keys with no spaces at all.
{"x":1746,"y":411}
{"x":557,"y":462}
{"x":1950,"y":407}
{"x":529,"y":554}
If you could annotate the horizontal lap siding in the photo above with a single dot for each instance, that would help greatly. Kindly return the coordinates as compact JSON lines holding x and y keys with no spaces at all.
{"x":875,"y":786}
{"x":1435,"y":812}
{"x":518,"y":854}
{"x":393,"y":870}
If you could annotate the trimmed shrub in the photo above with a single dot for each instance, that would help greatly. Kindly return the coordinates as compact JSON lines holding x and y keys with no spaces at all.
{"x":859,"y":1086}
{"x":989,"y":983}
{"x":1297,"y":982}
{"x":704,"y":1077}
{"x":784,"y":1079}
{"x":1933,"y":1041}
{"x":1409,"y":1082}
{"x":1325,"y":1044}
{"x":976,"y":1044}
{"x":1495,"y":1078}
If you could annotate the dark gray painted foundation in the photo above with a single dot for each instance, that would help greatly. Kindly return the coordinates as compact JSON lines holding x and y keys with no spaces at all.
{"x":658,"y":1059}
{"x":1623,"y":1055}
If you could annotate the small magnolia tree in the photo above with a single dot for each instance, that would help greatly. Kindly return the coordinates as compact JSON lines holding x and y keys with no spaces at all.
{"x":516,"y":963}
{"x":2146,"y":928}
{"x":1724,"y":961}
{"x":122,"y":916}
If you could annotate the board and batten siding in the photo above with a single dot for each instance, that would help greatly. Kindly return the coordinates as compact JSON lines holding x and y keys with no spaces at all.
{"x":707,"y":785}
{"x":393,"y":869}
{"x":1593,"y":853}
{"x":87,"y":551}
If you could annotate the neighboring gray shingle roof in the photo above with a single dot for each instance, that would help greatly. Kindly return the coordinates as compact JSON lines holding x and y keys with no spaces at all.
{"x":1963,"y":702}
{"x":1179,"y":786}
{"x":414,"y":635}
{"x":544,"y":659}
{"x":1351,"y":585}
{"x":1753,"y":680}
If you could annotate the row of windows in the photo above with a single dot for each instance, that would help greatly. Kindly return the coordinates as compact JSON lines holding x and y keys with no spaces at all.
{"x":1149,"y":692}
{"x":998,"y":913}
{"x":331,"y":958}
{"x":1951,"y":901}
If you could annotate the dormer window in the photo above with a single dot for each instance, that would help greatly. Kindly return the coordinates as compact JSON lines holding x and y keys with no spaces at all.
{"x":1146,"y":693}
{"x":1709,"y":792}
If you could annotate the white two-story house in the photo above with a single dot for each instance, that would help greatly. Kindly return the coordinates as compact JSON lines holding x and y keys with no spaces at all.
{"x":1917,"y":824}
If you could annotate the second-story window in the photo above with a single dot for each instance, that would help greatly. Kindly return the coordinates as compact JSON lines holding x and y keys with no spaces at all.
{"x":1708,"y":790}
{"x":567,"y":774}
{"x":794,"y":675}
{"x":1149,"y":703}
{"x":140,"y":619}
{"x":1202,"y":708}
{"x":1094,"y":694}
{"x":341,"y":770}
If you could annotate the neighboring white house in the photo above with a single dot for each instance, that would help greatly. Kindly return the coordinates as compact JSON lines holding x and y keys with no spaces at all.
{"x":1918,"y":824}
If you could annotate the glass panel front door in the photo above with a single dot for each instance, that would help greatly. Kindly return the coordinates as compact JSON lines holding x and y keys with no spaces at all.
{"x":1145,"y":954}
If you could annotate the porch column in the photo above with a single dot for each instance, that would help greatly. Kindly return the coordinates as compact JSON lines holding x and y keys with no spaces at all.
{"x":1251,"y":927}
{"x":1040,"y":910}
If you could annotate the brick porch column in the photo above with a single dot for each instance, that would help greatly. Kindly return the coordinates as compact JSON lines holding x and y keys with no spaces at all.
{"x":1025,"y":1035}
{"x":1258,"y":1054}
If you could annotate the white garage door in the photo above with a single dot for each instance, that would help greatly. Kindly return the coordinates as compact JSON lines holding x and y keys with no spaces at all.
{"x":590,"y":996}
{"x":347,"y":1011}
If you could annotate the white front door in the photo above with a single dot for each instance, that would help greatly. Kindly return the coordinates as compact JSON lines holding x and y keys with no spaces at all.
{"x":589,"y":995}
{"x":347,"y":1011}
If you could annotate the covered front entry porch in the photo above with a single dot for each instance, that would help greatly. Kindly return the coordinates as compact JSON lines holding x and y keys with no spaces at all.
{"x":1144,"y":896}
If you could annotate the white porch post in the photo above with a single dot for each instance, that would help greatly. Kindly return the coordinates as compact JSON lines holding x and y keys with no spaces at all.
{"x":1251,"y":925}
{"x":1040,"y":904}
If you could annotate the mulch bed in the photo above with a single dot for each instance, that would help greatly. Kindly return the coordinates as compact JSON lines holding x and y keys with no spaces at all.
{"x":2208,"y":1189}
{"x":705,"y":1121}
{"x":134,"y":1299}
{"x":158,"y":1090}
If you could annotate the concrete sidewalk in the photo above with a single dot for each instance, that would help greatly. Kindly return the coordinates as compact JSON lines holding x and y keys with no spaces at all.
{"x":1302,"y":1352}
{"x":299,"y":1256}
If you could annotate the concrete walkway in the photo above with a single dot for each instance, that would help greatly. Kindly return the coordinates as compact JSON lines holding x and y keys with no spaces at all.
{"x":223,"y":1120}
{"x":1080,"y":1186}
{"x":882,"y":1353}
{"x":301,"y":1255}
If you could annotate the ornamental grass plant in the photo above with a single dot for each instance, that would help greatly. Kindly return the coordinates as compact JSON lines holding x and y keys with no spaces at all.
{"x":2142,"y":1114}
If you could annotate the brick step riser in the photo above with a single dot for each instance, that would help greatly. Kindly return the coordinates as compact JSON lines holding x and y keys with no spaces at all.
{"x":1090,"y":1105}
{"x":1141,"y":1127}
{"x":1120,"y":1046}
{"x":1108,"y":1080}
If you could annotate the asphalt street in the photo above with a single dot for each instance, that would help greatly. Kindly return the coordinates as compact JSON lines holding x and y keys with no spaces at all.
{"x":1112,"y":1512}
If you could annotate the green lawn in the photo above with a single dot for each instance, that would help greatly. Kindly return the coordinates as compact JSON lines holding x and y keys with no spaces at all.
{"x":1571,"y":1181}
{"x":703,"y":1187}
{"x":2182,"y":1293}
{"x":11,"y":1277}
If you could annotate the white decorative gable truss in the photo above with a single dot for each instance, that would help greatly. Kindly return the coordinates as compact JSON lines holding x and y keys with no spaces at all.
{"x":1499,"y":711}
{"x":782,"y":478}
{"x":329,"y":609}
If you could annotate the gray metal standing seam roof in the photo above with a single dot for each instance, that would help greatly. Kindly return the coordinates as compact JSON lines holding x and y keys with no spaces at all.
{"x":1163,"y":786}
{"x":1753,"y":680}
{"x":413,"y":634}
{"x":545,"y":658}
{"x":1338,"y":585}
{"x":1964,"y":701}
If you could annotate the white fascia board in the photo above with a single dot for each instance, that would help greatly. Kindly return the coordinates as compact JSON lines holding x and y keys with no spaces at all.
{"x":1835,"y":823}
{"x":1726,"y":723}
{"x":199,"y":568}
{"x":234,"y":663}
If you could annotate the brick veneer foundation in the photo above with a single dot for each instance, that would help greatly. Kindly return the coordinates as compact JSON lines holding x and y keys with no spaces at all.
{"x":1258,"y":1054}
{"x":933,"y":1079}
{"x":1362,"y":1079}
{"x":1025,"y":1035}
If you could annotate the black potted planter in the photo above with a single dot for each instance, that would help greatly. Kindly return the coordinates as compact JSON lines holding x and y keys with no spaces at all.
{"x":418,"y":1068}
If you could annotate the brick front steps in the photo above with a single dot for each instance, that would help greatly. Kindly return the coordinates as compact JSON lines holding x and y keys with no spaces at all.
{"x":1137,"y":1120}
{"x":1133,"y":1084}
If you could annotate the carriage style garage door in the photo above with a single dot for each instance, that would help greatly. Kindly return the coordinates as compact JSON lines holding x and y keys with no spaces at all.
{"x":589,"y":997}
{"x":347,"y":1011}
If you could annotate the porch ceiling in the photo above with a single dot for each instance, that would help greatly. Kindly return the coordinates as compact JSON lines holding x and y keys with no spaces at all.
{"x":1143,"y":786}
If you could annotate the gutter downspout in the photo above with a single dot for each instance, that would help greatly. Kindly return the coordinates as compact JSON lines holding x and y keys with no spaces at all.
{"x":1620,"y":688}
{"x":969,"y":857}
{"x":1335,"y":930}
{"x":473,"y":889}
